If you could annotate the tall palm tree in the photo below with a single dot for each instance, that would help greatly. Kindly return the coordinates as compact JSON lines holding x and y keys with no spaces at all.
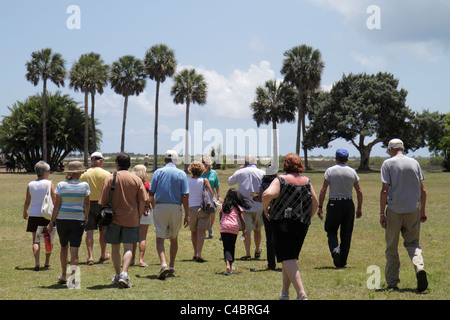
{"x":159,"y":63}
{"x":302,"y":67}
{"x":45,"y":65}
{"x":189,"y":86}
{"x":127,"y":77}
{"x":274,"y":104}
{"x":99,"y":80}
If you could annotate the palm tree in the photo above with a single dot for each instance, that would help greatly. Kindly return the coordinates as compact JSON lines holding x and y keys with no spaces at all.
{"x":159,"y":63}
{"x":274,"y":103}
{"x":99,"y":80}
{"x":303,"y":67}
{"x":45,"y":65}
{"x":127,"y":78}
{"x":189,"y":87}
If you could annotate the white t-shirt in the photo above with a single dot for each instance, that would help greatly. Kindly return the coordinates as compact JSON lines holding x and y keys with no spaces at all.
{"x":38,"y":190}
{"x":195,"y":191}
{"x":342,"y":179}
{"x":249,"y":180}
{"x":403,"y":175}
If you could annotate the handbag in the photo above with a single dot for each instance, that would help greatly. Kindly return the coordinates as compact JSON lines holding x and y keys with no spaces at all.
{"x":47,"y":203}
{"x":106,"y":214}
{"x":207,"y":203}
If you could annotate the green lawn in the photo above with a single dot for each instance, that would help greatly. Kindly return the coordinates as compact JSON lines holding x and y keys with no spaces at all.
{"x":205,"y":281}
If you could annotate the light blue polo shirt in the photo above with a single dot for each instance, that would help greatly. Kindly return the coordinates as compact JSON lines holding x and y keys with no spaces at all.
{"x":168,"y":184}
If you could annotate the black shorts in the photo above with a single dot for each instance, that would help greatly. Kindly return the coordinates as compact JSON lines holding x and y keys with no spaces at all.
{"x":94,"y":211}
{"x":34,"y":222}
{"x":70,"y":232}
{"x":288,"y":237}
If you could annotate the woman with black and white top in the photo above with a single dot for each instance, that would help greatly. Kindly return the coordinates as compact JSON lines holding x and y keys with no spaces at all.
{"x":35,"y":195}
{"x":199,"y":220}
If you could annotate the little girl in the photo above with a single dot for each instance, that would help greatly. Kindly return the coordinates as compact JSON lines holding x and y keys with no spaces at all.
{"x":230,"y":212}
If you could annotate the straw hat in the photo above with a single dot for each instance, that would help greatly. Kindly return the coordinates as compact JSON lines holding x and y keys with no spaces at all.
{"x":75,"y":166}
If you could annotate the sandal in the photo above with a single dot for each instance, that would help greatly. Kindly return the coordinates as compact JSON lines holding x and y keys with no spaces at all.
{"x":90,"y":262}
{"x":258,"y":254}
{"x":62,"y":280}
{"x":246,"y":258}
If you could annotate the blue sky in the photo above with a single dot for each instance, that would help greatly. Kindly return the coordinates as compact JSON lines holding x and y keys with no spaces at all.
{"x":237,"y":46}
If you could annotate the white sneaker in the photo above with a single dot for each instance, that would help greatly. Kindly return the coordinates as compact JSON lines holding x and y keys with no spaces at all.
{"x":124,"y":281}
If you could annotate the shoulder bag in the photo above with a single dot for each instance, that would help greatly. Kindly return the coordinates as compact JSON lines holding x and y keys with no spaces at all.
{"x":106,"y":214}
{"x":207,"y":203}
{"x":47,"y":203}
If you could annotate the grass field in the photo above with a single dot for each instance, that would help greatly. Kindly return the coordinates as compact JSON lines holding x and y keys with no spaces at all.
{"x":205,"y":281}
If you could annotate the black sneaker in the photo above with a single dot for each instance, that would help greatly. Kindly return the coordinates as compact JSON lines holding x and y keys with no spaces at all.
{"x":422,"y":282}
{"x":337,"y":259}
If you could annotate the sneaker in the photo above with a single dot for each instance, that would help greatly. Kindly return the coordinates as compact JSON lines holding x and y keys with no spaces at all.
{"x":115,"y":279}
{"x":337,"y":259}
{"x":124,"y":282}
{"x":422,"y":282}
{"x":163,"y":272}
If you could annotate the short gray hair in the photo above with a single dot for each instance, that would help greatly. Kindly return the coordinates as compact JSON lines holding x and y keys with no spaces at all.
{"x":41,"y":167}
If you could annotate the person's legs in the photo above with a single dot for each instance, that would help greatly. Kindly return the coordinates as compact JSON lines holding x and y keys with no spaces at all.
{"x":392,"y":234}
{"x":173,"y":251}
{"x":347,"y":223}
{"x":90,"y":245}
{"x":200,"y":241}
{"x":116,"y":259}
{"x":143,"y":229}
{"x":36,"y":246}
{"x":292,"y":275}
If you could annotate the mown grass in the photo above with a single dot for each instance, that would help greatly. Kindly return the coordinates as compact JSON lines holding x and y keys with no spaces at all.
{"x":205,"y":281}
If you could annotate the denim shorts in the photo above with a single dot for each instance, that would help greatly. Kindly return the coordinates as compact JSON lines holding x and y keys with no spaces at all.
{"x":116,"y":234}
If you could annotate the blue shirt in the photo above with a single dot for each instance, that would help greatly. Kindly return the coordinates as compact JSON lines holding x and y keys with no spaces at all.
{"x":168,"y":184}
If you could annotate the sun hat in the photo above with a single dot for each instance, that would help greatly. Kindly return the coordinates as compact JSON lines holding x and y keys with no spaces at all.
{"x":96,"y":156}
{"x":396,"y":144}
{"x":75,"y":166}
{"x":342,"y":154}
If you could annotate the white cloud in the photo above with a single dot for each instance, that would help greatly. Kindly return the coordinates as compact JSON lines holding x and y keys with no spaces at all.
{"x":371,"y":62}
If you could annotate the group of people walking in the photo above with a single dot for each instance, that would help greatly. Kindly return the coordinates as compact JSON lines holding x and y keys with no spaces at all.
{"x":284,"y":204}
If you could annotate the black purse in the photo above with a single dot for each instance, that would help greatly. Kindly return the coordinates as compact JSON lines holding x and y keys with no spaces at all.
{"x":105,"y":216}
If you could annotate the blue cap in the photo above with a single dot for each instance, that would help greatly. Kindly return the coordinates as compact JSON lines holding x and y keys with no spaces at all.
{"x":342,"y":154}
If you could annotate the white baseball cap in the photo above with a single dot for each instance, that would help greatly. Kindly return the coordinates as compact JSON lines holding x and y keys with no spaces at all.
{"x":396,"y":144}
{"x":171,"y":154}
{"x":97,"y":155}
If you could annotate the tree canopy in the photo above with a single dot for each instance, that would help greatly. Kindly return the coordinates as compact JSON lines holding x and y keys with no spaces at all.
{"x":21,"y":132}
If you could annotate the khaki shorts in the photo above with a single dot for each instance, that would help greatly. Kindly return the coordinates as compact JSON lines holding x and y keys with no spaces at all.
{"x":253,"y":220}
{"x":198,"y":219}
{"x":167,"y":219}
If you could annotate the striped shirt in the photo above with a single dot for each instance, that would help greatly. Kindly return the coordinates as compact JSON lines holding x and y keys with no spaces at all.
{"x":72,"y":194}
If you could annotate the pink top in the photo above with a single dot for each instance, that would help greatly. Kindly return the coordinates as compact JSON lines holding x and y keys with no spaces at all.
{"x":229,"y":223}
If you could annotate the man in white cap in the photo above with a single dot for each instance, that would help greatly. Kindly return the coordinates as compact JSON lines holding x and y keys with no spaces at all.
{"x":170,"y":190}
{"x":404,"y":194}
{"x":95,"y":176}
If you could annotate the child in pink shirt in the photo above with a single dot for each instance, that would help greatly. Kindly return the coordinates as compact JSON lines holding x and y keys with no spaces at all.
{"x":230,"y":214}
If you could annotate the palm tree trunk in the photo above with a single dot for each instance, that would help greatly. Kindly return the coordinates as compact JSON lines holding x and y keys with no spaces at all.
{"x":305,"y":150}
{"x":94,"y":138}
{"x":125,"y":105}
{"x":44,"y":122}
{"x":275,"y":154}
{"x":299,"y":123}
{"x":186,"y":139}
{"x":86,"y":127}
{"x":155,"y":136}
